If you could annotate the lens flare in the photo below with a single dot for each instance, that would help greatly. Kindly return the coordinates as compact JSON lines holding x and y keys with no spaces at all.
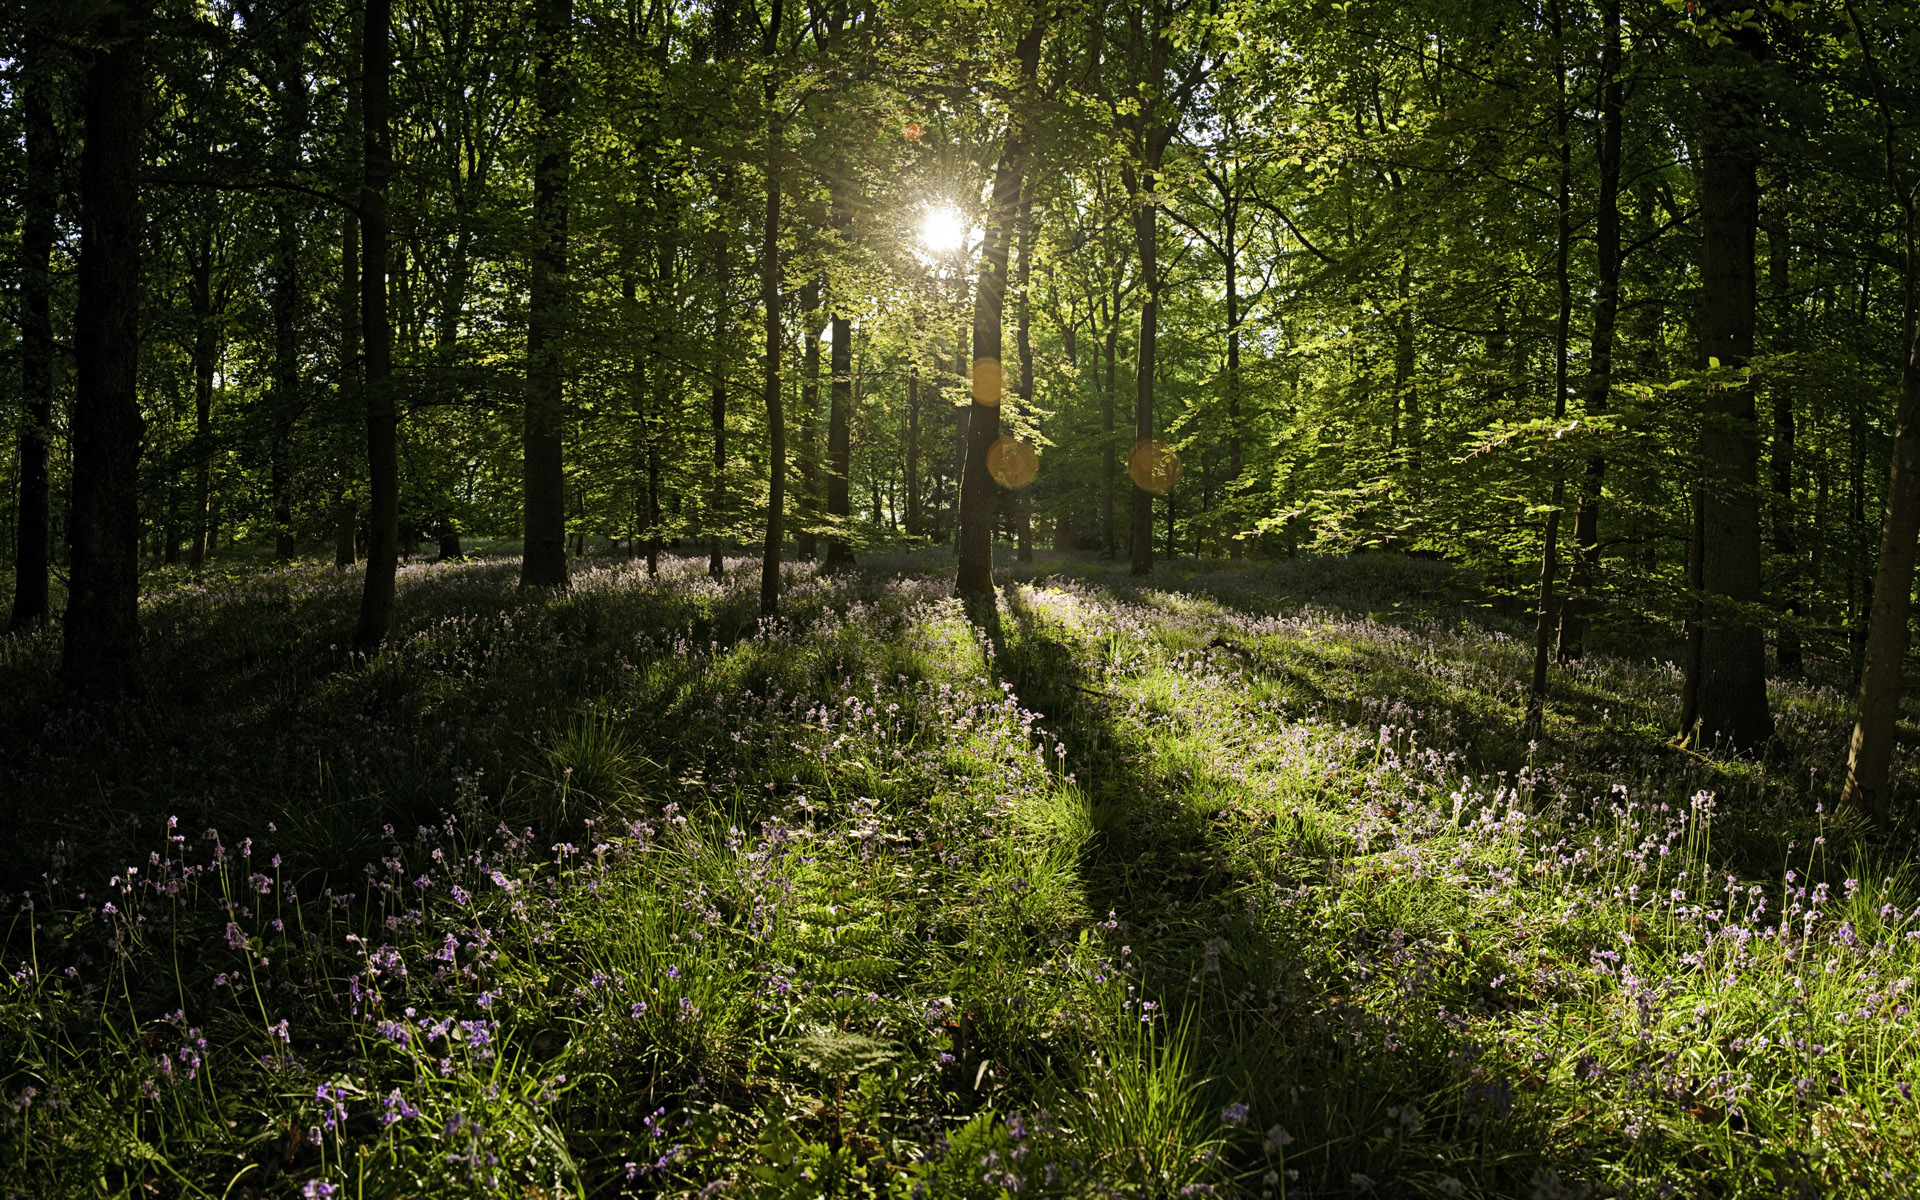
{"x":943,"y":230}
{"x":1153,"y":466}
{"x":1013,"y":463}
{"x":989,"y":382}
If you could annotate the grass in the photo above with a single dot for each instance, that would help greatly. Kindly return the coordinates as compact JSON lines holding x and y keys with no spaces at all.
{"x":1237,"y":882}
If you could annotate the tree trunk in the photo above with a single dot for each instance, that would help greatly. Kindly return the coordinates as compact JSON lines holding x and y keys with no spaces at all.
{"x":717,"y":397}
{"x":978,"y":489}
{"x":913,"y":450}
{"x":809,"y":497}
{"x":1562,"y":326}
{"x":1237,"y":548}
{"x":1023,"y":340}
{"x":1146,"y":230}
{"x":1870,"y":751}
{"x":544,"y":557}
{"x":352,"y":391}
{"x":1109,"y":400}
{"x":770,"y":301}
{"x":839,"y":443}
{"x":1730,"y":680}
{"x":1606,"y":310}
{"x":376,"y":334}
{"x":33,"y":548}
{"x":1787,"y":638}
{"x":101,"y":653}
{"x":291,"y":120}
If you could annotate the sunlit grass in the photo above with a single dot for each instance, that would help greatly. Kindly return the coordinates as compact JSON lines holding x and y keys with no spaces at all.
{"x":1246,"y":886}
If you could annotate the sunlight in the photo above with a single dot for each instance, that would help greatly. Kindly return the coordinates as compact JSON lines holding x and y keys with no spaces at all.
{"x":943,"y":230}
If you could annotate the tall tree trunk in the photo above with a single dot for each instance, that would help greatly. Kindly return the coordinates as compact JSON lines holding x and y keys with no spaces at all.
{"x":544,"y":559}
{"x":1730,"y":681}
{"x":1146,"y":230}
{"x":978,"y":490}
{"x":205,"y":357}
{"x":1109,"y":400}
{"x":1230,"y":207}
{"x":1787,"y":638}
{"x":839,"y":442}
{"x":291,"y":33}
{"x":1606,"y":310}
{"x":1023,"y":341}
{"x":33,"y":549}
{"x":376,"y":334}
{"x":913,"y":449}
{"x":770,"y":302}
{"x":809,"y":498}
{"x":1562,"y":325}
{"x":346,"y":517}
{"x":101,"y":651}
{"x":1870,"y":750}
{"x":722,"y":363}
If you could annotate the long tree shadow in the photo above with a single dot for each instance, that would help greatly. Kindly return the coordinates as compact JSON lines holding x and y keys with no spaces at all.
{"x":1355,"y":1095}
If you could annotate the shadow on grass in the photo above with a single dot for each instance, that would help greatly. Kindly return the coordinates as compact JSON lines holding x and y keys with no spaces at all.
{"x":1400,"y":1097}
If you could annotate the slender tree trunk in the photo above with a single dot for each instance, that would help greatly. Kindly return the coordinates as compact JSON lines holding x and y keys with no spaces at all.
{"x":376,"y":334}
{"x":1606,"y":311}
{"x":1870,"y":750}
{"x":205,"y":359}
{"x":1787,"y":638}
{"x":770,"y":302}
{"x":352,"y":376}
{"x":839,"y":442}
{"x":1023,"y":340}
{"x":292,"y":122}
{"x":978,"y":490}
{"x":722,"y":363}
{"x":1146,"y":229}
{"x":1730,"y":687}
{"x":809,"y":498}
{"x":1562,"y":325}
{"x":544,"y":559}
{"x":913,"y":450}
{"x":1237,"y":548}
{"x":1109,"y":400}
{"x":33,"y":547}
{"x":101,"y":653}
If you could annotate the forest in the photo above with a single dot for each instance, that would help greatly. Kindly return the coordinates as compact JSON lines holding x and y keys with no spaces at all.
{"x":959,"y":598}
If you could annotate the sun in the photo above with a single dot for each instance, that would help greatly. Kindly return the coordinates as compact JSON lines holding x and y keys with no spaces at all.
{"x":943,"y":230}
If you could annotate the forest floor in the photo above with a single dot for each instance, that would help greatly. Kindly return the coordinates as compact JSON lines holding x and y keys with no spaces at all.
{"x":1233,"y":881}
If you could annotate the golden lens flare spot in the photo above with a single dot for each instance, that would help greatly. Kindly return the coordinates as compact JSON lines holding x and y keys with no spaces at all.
{"x":989,"y":381}
{"x":1153,"y":466}
{"x":913,"y":131}
{"x":1013,"y":463}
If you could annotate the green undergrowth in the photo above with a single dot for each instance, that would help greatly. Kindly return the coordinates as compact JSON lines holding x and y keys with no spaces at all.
{"x":1238,"y":883}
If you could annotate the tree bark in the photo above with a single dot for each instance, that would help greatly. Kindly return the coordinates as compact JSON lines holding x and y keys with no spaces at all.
{"x":1023,"y":341}
{"x":808,"y":500}
{"x":33,"y":548}
{"x":1109,"y":401}
{"x":352,"y":391}
{"x":1146,"y":223}
{"x":913,"y":449}
{"x":978,"y":489}
{"x":1562,"y":326}
{"x":717,"y":396}
{"x":1786,"y":644}
{"x":205,"y":357}
{"x":1870,"y":750}
{"x":290,"y":32}
{"x":376,"y":334}
{"x":544,"y":558}
{"x":839,"y":443}
{"x":101,"y":651}
{"x":770,"y":302}
{"x":1575,"y":610}
{"x":1729,"y":684}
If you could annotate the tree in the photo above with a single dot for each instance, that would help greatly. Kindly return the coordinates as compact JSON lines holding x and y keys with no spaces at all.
{"x":102,"y":635}
{"x":544,"y":562}
{"x":38,"y":205}
{"x":1725,"y":696}
{"x":376,"y":335}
